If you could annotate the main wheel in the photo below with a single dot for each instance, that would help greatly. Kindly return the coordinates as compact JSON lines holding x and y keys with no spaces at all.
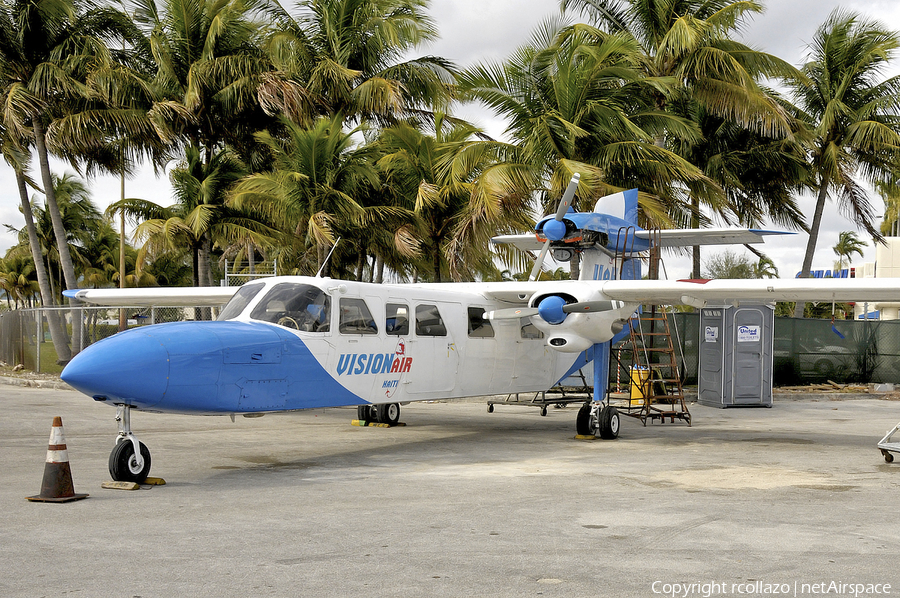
{"x":388,"y":413}
{"x":585,"y":421}
{"x":609,"y":423}
{"x":364,"y":414}
{"x":123,"y":466}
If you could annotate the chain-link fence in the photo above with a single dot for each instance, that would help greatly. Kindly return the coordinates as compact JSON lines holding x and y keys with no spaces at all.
{"x":26,"y":338}
{"x":811,"y":351}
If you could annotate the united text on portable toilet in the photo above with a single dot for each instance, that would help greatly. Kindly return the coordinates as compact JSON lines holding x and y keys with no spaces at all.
{"x":736,"y":352}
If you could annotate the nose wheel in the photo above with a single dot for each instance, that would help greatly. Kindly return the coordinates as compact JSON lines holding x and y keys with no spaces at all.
{"x":129,"y":460}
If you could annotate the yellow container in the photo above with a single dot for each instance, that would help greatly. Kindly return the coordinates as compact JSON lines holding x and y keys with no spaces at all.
{"x":639,"y":385}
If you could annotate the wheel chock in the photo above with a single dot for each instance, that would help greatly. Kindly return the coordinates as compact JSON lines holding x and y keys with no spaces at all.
{"x":363,"y":424}
{"x":132,"y":485}
{"x":585,"y":437}
{"x":120,"y":485}
{"x":57,"y":483}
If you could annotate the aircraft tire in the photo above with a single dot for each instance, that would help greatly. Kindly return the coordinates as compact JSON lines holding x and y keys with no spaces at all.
{"x":583,"y":424}
{"x":121,"y":463}
{"x":388,"y":413}
{"x":364,"y":413}
{"x":609,"y":423}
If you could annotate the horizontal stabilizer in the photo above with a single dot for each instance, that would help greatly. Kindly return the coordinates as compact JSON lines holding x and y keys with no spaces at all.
{"x":687,"y":237}
{"x":149,"y":296}
{"x":523,"y":242}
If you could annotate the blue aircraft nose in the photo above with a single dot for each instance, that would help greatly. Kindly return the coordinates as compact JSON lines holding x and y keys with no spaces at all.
{"x":130,"y":367}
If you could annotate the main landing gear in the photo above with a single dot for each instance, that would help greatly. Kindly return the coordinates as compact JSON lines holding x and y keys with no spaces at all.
{"x":129,"y":460}
{"x":596,"y":419}
{"x":385,"y":413}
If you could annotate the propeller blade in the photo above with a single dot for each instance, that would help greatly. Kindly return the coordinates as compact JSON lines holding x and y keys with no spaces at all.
{"x":591,"y":306}
{"x":567,"y":197}
{"x":513,"y":313}
{"x":539,"y":262}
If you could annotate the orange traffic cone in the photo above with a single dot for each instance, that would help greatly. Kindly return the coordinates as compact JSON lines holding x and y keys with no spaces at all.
{"x":57,"y":485}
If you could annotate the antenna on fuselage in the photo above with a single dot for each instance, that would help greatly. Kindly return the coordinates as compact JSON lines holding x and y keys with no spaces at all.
{"x":325,"y":263}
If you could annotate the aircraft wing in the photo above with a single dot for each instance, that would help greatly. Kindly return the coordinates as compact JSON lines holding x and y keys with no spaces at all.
{"x":686,"y":237}
{"x":148,"y":296}
{"x":523,"y":242}
{"x":670,"y":292}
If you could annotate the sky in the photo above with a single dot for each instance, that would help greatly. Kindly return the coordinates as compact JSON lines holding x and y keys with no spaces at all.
{"x":491,"y":32}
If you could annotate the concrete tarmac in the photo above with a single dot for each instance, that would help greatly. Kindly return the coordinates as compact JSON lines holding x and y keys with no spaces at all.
{"x":457,"y":503}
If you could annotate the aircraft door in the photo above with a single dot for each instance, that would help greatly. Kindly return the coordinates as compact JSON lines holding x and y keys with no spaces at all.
{"x":435,"y":359}
{"x":362,"y":347}
{"x":533,"y":359}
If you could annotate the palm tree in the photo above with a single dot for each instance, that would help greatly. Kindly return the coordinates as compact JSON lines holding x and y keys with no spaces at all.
{"x":199,"y":218}
{"x":765,"y":268}
{"x":686,"y":43}
{"x":349,"y":57}
{"x":16,"y":278}
{"x":461,"y":192}
{"x":309,"y":192}
{"x":848,"y":244}
{"x":45,"y":46}
{"x":208,"y":67}
{"x":17,"y":159}
{"x":853,"y":116}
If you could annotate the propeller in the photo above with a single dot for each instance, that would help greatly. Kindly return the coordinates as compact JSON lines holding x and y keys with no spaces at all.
{"x":555,"y":229}
{"x":553,"y":309}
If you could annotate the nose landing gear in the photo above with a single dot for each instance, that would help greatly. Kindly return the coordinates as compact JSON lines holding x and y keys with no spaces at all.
{"x":129,"y":460}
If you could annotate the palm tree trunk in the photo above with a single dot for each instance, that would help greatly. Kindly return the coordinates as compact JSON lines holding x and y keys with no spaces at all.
{"x":436,"y":260}
{"x":813,"y":239}
{"x":360,"y":264}
{"x":57,"y":331}
{"x":695,"y":223}
{"x":59,"y":229}
{"x":379,"y":268}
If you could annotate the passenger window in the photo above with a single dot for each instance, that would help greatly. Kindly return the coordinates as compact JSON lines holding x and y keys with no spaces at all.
{"x":396,"y":319}
{"x":529,"y":330}
{"x":356,"y":318}
{"x":429,"y":321}
{"x":298,"y":306}
{"x":478,"y":326}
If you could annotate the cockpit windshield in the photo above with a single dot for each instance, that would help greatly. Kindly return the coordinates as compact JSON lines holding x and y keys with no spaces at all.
{"x":240,"y":300}
{"x":294,"y":305}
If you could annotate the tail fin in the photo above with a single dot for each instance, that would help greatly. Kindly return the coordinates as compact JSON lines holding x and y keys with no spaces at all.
{"x":623,"y":204}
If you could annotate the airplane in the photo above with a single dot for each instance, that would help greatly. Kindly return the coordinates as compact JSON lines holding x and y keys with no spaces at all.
{"x":289,"y":343}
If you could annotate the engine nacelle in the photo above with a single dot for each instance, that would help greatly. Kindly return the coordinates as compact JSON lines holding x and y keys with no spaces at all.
{"x":574,"y":320}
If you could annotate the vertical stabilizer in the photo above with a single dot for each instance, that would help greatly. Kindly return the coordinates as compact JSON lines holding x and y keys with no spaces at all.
{"x":623,"y":204}
{"x":597,"y":264}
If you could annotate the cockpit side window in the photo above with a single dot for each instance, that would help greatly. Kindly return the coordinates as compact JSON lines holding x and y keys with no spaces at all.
{"x":293,"y":305}
{"x":356,"y":317}
{"x":239,"y":301}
